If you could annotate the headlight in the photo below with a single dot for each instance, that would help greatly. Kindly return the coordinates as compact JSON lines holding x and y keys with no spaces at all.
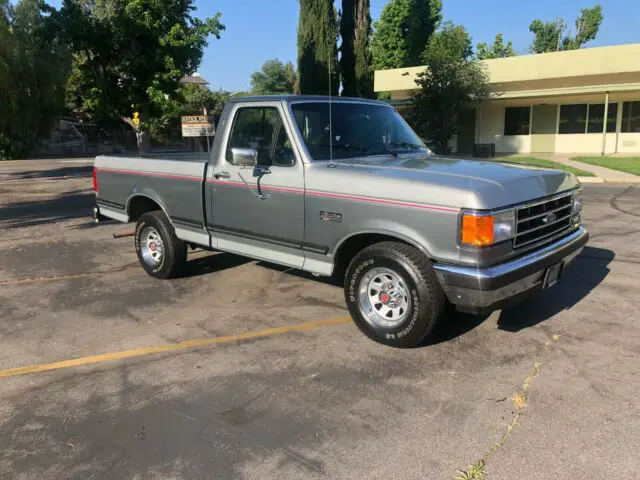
{"x":484,"y":229}
{"x":577,"y":202}
{"x":576,"y":208}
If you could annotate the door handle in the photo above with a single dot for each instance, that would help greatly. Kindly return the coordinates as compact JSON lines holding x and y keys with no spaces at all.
{"x":222,"y":175}
{"x":259,"y":171}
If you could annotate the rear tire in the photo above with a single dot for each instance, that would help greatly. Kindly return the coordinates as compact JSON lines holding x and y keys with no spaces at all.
{"x":393,"y":295}
{"x":160,"y":252}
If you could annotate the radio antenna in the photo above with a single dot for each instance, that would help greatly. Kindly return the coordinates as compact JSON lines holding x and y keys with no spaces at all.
{"x":330,"y":117}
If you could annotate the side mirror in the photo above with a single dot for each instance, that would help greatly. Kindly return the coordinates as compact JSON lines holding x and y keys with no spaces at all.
{"x":244,"y":157}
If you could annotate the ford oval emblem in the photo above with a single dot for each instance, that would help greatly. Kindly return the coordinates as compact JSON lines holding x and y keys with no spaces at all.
{"x":549,"y":218}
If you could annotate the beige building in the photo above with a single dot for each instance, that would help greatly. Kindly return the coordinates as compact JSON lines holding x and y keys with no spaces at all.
{"x":548,"y":103}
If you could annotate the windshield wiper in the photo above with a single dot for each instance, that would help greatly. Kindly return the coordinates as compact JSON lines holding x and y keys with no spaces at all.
{"x":407,"y":145}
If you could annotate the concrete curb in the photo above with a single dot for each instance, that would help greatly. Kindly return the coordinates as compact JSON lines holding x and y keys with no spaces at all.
{"x":630,"y":181}
{"x":591,"y":180}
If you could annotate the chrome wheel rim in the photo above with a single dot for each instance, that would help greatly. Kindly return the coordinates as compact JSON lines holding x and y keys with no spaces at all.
{"x":383,"y":298}
{"x":151,"y":247}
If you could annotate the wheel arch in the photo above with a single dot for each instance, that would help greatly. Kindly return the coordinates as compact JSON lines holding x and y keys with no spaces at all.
{"x":140,"y":203}
{"x":349,"y":246}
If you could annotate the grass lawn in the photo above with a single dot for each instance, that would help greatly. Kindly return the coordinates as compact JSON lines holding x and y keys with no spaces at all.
{"x":543,"y":162}
{"x":624,"y":164}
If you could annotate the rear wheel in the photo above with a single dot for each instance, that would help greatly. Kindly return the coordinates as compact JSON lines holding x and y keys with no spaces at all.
{"x":160,"y":252}
{"x":393,"y":294}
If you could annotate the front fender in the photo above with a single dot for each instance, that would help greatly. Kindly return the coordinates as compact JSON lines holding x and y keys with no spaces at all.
{"x":404,"y":234}
{"x":434,"y":233}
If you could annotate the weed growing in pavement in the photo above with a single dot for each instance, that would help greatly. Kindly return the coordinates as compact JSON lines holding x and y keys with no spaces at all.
{"x":475,"y":472}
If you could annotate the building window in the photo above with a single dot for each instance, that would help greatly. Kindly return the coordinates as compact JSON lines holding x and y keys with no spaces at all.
{"x":517,"y":120}
{"x":630,"y":117}
{"x":596,"y":115}
{"x":573,"y":119}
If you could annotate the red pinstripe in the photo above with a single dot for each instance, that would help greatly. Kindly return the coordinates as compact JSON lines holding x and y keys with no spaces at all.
{"x":313,"y":193}
{"x":152,"y":174}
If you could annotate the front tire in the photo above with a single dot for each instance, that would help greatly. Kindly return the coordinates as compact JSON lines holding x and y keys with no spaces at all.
{"x":393,"y":295}
{"x":160,"y":252}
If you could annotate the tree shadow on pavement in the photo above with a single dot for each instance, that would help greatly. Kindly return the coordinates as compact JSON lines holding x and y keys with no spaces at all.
{"x":29,"y":213}
{"x":84,"y":171}
{"x":586,"y":272}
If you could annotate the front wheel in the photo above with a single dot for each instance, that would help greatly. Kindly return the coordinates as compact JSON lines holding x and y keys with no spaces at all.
{"x":393,"y":295}
{"x":160,"y":252}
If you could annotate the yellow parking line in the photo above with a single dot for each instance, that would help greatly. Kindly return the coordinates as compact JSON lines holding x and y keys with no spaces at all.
{"x":174,"y":347}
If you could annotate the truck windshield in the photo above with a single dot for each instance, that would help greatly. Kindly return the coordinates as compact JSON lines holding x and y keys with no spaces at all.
{"x":358,"y":130}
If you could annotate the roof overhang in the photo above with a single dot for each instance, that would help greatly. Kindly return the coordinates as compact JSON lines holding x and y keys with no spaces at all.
{"x":574,"y":72}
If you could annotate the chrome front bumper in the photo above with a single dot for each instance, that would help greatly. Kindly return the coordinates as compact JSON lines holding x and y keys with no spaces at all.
{"x":483,"y":289}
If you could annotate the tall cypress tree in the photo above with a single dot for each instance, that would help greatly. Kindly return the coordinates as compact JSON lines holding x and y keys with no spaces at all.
{"x":356,"y":59}
{"x":362,"y":48}
{"x":317,"y":47}
{"x":347,"y":54}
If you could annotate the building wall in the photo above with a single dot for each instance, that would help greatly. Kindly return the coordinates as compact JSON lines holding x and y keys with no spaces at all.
{"x":585,"y":143}
{"x":490,"y":121}
{"x":490,"y":129}
{"x":629,"y":143}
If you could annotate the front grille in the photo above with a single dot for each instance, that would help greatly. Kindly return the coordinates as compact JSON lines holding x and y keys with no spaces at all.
{"x":543,"y":220}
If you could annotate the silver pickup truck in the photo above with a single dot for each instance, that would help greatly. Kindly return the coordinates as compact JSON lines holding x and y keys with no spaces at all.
{"x":345,"y":187}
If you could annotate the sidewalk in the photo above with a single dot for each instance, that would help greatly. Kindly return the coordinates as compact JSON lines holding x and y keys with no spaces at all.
{"x":602,"y":174}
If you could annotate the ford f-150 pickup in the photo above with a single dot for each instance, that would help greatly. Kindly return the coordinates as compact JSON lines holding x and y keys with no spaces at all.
{"x":345,"y":187}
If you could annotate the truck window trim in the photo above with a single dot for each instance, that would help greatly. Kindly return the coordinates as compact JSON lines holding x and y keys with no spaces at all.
{"x":279,"y":125}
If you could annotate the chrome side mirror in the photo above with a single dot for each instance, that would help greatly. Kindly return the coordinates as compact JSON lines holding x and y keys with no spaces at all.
{"x":244,"y":157}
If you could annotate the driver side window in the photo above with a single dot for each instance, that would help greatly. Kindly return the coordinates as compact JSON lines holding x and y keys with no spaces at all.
{"x":261,"y":128}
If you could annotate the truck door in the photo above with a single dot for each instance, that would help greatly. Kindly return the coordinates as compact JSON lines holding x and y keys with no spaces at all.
{"x":258,"y":186}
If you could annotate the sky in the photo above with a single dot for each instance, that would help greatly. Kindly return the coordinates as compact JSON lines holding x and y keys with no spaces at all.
{"x":259,"y":30}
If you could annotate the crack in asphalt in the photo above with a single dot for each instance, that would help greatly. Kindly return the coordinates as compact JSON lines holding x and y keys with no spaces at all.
{"x":520,"y":401}
{"x":614,"y":202}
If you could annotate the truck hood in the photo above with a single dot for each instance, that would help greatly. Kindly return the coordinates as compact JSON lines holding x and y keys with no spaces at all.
{"x":453,"y":182}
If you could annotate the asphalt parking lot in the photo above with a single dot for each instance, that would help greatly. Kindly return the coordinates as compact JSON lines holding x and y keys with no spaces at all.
{"x":245,"y":370}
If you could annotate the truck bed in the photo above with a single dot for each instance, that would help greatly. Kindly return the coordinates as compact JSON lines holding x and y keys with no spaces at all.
{"x":173,"y":180}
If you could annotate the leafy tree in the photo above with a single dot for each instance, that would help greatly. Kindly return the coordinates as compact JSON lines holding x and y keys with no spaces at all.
{"x":317,"y":47}
{"x":130,"y":56}
{"x":274,"y":77}
{"x":497,"y":50}
{"x":403,"y":31}
{"x":356,"y":59}
{"x":195,"y":99}
{"x":33,"y":68}
{"x":191,"y":99}
{"x":587,"y":27}
{"x":452,"y":82}
{"x":547,"y":36}
{"x":451,"y":43}
{"x":550,"y":36}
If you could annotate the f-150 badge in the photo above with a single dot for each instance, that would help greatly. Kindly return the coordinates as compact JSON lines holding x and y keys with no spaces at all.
{"x":330,"y":216}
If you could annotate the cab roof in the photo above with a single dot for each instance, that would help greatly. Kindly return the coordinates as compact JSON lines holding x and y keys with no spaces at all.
{"x":298,"y":98}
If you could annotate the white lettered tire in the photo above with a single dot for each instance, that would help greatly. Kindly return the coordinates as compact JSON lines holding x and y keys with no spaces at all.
{"x":393,"y":295}
{"x":160,"y":252}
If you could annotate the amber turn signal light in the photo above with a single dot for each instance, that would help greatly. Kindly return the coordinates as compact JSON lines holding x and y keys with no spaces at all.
{"x":477,"y":230}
